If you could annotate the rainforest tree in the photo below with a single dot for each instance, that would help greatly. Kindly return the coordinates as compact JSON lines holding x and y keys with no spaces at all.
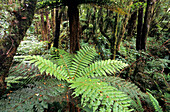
{"x":9,"y":42}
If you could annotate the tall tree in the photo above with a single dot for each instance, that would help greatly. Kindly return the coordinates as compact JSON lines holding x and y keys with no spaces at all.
{"x":143,"y":28}
{"x":10,"y":42}
{"x":142,"y":32}
{"x":73,"y":13}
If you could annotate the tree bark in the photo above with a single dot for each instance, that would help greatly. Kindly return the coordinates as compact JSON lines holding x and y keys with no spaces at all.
{"x":10,"y":42}
{"x":73,"y":13}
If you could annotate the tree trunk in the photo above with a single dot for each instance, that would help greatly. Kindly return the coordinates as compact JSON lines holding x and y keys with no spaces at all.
{"x":147,"y":21}
{"x":10,"y":42}
{"x":131,"y":25}
{"x":122,"y":33}
{"x":114,"y":37}
{"x":139,"y":28}
{"x":42,"y":25}
{"x":57,"y":28}
{"x":53,"y":21}
{"x":73,"y":13}
{"x":142,"y":33}
{"x":48,"y":27}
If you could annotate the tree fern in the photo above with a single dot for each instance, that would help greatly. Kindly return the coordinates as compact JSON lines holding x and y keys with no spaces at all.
{"x":82,"y":60}
{"x":75,"y":70}
{"x":21,"y":74}
{"x":100,"y":68}
{"x":70,"y":68}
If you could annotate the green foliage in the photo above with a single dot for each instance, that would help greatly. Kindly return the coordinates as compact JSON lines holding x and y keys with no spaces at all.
{"x":35,"y":97}
{"x":49,"y":67}
{"x":31,"y":46}
{"x":129,"y":88}
{"x":99,"y":96}
{"x":155,"y":103}
{"x":70,"y":67}
{"x":21,"y":74}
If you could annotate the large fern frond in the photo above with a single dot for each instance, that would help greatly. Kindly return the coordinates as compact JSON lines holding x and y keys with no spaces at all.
{"x":83,"y":58}
{"x":99,"y":96}
{"x":49,"y":67}
{"x":129,"y":88}
{"x":100,"y":68}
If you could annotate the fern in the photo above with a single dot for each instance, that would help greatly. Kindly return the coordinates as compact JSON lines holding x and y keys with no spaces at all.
{"x":35,"y":96}
{"x":101,"y":68}
{"x":129,"y":88}
{"x":155,"y":103}
{"x":82,"y":60}
{"x":99,"y":96}
{"x":22,"y":74}
{"x":48,"y":67}
{"x":77,"y":68}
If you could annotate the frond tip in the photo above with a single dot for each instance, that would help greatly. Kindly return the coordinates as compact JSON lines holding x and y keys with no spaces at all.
{"x":100,"y":68}
{"x":48,"y":67}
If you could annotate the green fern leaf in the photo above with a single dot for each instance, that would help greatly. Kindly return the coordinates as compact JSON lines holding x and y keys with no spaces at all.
{"x":100,"y":68}
{"x":65,"y":60}
{"x":83,"y":58}
{"x":155,"y":103}
{"x":49,"y":67}
{"x":98,"y":95}
{"x":129,"y":88}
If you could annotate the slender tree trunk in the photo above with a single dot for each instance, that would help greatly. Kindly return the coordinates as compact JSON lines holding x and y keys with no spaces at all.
{"x":9,"y":43}
{"x":53,"y":21}
{"x":139,"y":28}
{"x":124,"y":27}
{"x":57,"y":28}
{"x":73,"y":13}
{"x":42,"y":26}
{"x":114,"y":38}
{"x":48,"y":27}
{"x":131,"y":24}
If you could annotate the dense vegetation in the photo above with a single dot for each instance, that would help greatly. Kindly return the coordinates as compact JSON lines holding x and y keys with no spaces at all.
{"x":84,"y":55}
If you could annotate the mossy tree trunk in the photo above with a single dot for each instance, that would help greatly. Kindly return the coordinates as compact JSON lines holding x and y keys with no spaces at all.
{"x":114,"y":38}
{"x":10,"y":42}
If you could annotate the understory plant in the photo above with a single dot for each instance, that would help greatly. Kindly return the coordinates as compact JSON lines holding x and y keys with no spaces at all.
{"x":78,"y":79}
